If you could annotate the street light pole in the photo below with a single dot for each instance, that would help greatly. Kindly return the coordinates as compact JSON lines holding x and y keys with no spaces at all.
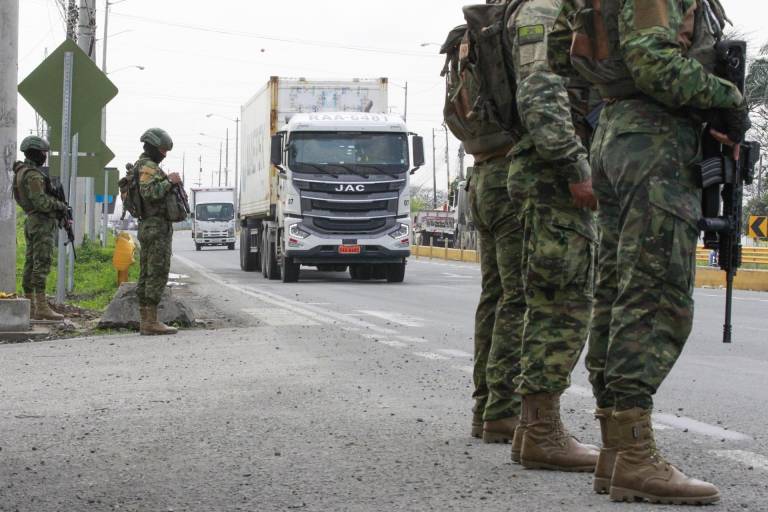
{"x":220,"y":144}
{"x":434,"y":172}
{"x":9,"y":57}
{"x":226,"y":162}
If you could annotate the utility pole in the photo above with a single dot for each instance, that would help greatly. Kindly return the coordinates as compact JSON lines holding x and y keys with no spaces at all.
{"x":105,"y":204}
{"x":226,"y":162}
{"x":86,"y":40}
{"x":447,"y":160}
{"x":9,"y":58}
{"x":434,"y":172}
{"x":72,"y":15}
{"x":220,"y":144}
{"x":405,"y":108}
{"x":462,"y":154}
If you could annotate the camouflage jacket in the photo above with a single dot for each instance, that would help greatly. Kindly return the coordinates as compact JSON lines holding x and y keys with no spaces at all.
{"x":657,"y":44}
{"x":31,"y":192}
{"x":540,"y":42}
{"x":153,"y":187}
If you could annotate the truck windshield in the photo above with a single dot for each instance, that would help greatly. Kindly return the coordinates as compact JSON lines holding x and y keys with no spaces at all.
{"x":365,"y":152}
{"x":215,"y":212}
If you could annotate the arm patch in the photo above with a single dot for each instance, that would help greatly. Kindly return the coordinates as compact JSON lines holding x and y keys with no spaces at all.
{"x":651,"y":13}
{"x":531,"y":34}
{"x":146,"y":174}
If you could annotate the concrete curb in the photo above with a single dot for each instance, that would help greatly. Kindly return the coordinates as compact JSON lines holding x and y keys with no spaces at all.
{"x":706,"y":277}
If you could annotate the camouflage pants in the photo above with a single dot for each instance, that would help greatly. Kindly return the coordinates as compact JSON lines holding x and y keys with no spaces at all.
{"x":649,"y":204}
{"x":156,"y":238}
{"x":39,"y":233}
{"x":557,"y":274}
{"x":499,"y":316}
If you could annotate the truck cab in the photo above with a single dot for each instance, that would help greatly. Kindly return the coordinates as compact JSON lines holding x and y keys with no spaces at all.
{"x":344,"y":195}
{"x":213,"y":217}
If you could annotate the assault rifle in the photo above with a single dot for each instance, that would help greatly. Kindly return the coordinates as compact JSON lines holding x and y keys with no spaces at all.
{"x":66,"y":219}
{"x":181,"y":194}
{"x":723,"y":180}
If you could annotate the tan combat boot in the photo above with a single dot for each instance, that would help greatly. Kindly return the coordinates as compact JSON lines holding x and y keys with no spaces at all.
{"x":517,"y":440}
{"x":500,"y":431}
{"x":607,"y":458}
{"x":547,"y":444}
{"x":150,"y":326}
{"x":43,"y":311}
{"x":641,"y":473}
{"x":477,"y":424}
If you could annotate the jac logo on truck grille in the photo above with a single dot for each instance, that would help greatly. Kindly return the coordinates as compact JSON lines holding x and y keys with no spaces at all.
{"x":350,"y":188}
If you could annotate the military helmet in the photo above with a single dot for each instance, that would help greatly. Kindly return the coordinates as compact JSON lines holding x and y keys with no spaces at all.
{"x":34,"y":142}
{"x":157,"y":137}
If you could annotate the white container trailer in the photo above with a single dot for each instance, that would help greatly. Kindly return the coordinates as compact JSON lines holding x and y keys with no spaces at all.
{"x":213,"y":217}
{"x":325,"y":180}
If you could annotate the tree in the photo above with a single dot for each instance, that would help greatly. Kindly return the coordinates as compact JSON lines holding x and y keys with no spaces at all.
{"x":756,"y":93}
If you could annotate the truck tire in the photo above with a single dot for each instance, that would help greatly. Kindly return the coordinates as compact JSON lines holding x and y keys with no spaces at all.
{"x":395,"y":272}
{"x":379,"y":272}
{"x":231,"y":247}
{"x":249,"y":261}
{"x":289,"y":271}
{"x":197,"y":247}
{"x":271,"y":267}
{"x":353,"y":271}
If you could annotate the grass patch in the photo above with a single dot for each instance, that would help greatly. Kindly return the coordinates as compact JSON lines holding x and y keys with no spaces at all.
{"x":95,"y":278}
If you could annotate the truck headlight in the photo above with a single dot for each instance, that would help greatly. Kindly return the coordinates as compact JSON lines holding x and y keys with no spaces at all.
{"x":296,"y":232}
{"x":231,"y":232}
{"x":401,"y":232}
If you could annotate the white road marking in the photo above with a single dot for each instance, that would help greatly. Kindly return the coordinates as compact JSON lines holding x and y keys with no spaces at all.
{"x":466,"y":369}
{"x":457,"y":276}
{"x":395,"y":318}
{"x":455,"y":353}
{"x":431,"y":356}
{"x":412,"y":339}
{"x":392,"y":343}
{"x":749,"y":459}
{"x":277,"y":317}
{"x":744,"y":299}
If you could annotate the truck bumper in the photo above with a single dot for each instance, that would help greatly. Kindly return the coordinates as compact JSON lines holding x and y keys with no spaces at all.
{"x":329,"y":254}
{"x":214,"y":241}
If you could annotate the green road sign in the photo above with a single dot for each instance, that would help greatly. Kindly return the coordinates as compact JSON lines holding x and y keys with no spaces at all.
{"x":87,"y":166}
{"x":113,"y":176}
{"x":91,"y":89}
{"x":88,"y":138}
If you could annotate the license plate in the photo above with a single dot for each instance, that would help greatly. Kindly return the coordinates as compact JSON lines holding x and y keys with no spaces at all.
{"x":350,"y":249}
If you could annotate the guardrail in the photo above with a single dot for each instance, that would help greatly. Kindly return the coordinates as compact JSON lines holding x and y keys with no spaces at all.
{"x":710,"y":277}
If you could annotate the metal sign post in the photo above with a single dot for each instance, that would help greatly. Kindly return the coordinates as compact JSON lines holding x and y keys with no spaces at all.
{"x":105,"y":205}
{"x":64,"y":155}
{"x":75,"y":205}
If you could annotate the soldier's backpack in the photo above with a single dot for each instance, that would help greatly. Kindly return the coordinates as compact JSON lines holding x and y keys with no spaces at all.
{"x":480,"y":98}
{"x":130,"y":193}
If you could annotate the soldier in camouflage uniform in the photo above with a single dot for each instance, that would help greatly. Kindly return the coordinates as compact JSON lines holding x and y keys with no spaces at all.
{"x":652,"y":62}
{"x":549,"y":171}
{"x":31,"y":191}
{"x":155,"y":229}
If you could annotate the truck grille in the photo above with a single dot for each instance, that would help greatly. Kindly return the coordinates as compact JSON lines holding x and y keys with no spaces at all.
{"x":349,"y":226}
{"x":334,"y":206}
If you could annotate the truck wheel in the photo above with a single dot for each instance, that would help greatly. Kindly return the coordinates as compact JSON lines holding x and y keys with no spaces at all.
{"x":395,"y":272}
{"x":364,"y":272}
{"x":290,"y":271}
{"x":231,"y":247}
{"x":353,"y":271}
{"x":379,"y":272}
{"x":271,"y":267}
{"x":197,"y":247}
{"x":249,"y":261}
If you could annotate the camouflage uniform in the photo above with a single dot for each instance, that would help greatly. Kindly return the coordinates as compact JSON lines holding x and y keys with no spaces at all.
{"x":557,"y":263}
{"x":499,"y":316}
{"x":155,"y":232}
{"x":643,"y":156}
{"x":42,"y":212}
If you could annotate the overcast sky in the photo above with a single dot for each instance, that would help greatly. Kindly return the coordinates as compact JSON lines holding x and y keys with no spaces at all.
{"x":210,"y":57}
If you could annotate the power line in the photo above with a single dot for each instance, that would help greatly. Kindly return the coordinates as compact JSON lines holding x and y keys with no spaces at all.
{"x":251,"y":35}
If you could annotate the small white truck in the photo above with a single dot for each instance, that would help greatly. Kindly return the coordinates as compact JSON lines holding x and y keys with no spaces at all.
{"x":325,"y":180}
{"x":213,"y":217}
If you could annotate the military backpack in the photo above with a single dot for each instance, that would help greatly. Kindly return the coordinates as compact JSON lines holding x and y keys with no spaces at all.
{"x":480,"y":98}
{"x":130,"y":193}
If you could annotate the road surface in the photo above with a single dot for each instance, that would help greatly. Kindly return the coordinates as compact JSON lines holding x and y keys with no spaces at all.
{"x":334,"y":395}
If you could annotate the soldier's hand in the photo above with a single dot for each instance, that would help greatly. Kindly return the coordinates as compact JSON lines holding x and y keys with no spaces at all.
{"x":583,"y":195}
{"x":175,"y":178}
{"x":726,"y":141}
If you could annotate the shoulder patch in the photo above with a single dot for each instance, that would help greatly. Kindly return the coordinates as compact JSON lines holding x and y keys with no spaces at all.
{"x":147,"y":173}
{"x":35,"y":182}
{"x":531,"y":34}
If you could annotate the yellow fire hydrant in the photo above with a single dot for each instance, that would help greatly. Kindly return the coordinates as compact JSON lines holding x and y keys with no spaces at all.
{"x":122,"y":258}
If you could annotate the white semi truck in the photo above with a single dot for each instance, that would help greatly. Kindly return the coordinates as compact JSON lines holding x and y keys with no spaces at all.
{"x":213,"y":217}
{"x":325,"y":180}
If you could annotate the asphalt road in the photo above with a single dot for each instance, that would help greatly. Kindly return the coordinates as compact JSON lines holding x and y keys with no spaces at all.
{"x":329,"y":395}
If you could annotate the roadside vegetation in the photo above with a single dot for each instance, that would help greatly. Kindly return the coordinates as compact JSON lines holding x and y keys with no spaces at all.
{"x":95,"y":278}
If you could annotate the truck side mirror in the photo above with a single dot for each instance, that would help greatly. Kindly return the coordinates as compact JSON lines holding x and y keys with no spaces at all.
{"x":418,"y":151}
{"x":277,"y":150}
